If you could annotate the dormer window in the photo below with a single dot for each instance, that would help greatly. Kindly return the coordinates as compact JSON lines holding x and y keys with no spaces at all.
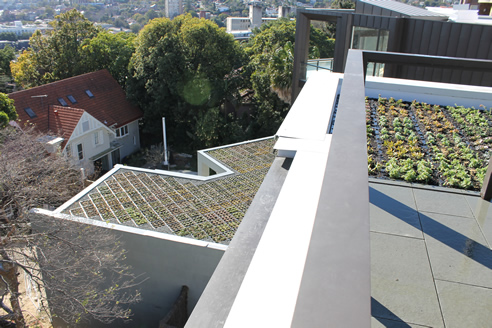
{"x":72,"y":99}
{"x":89,"y":93}
{"x":62,"y":102}
{"x":30,"y":112}
{"x":121,"y":132}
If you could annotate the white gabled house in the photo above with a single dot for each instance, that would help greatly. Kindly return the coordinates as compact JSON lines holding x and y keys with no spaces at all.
{"x":93,"y":122}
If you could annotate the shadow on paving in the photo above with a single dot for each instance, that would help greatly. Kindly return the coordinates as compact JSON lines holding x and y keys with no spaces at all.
{"x":449,"y":237}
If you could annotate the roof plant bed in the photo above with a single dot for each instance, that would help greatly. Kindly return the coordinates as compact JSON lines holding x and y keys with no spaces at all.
{"x":209,"y":210}
{"x":430,"y":144}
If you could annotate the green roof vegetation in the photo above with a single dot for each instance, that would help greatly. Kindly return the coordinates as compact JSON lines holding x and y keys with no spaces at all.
{"x":209,"y":210}
{"x":431,"y":144}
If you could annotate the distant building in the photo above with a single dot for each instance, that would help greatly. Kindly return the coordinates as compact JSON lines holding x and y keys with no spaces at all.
{"x":222,"y":8}
{"x":284,"y":11}
{"x":204,"y":14}
{"x":19,"y":29}
{"x":242,"y":25}
{"x":174,"y":8}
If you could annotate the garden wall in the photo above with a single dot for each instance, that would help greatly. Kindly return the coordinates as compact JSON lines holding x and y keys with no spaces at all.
{"x":168,"y":261}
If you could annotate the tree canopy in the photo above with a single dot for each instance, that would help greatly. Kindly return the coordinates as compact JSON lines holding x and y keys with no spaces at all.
{"x":7,"y":110}
{"x":55,"y":55}
{"x":74,"y":46}
{"x":80,"y":268}
{"x":7,"y":54}
{"x":181,"y":69}
{"x":271,"y":53}
{"x":110,"y":51}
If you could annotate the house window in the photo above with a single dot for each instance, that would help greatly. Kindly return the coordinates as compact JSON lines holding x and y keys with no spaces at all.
{"x":72,"y":99}
{"x":85,"y":126}
{"x":30,"y":112}
{"x":121,"y":132}
{"x":80,"y":151}
{"x":96,"y":138}
{"x":62,"y":102}
{"x":89,"y":93}
{"x":134,"y":140}
{"x":68,"y":150}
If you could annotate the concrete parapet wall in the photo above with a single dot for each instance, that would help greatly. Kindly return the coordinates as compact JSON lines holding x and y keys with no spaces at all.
{"x":169,"y":262}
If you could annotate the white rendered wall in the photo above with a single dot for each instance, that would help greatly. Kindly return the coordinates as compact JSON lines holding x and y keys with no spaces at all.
{"x":168,"y":261}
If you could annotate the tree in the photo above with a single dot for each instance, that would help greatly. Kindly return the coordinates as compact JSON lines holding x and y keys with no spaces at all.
{"x":110,"y":51}
{"x":151,"y":14}
{"x":271,"y":52}
{"x":55,"y":55}
{"x":78,"y":266}
{"x":343,"y":4}
{"x":75,"y":46}
{"x":180,"y":70}
{"x":139,"y":18}
{"x":8,"y":36}
{"x":7,"y":110}
{"x":135,"y":27}
{"x":120,"y":22}
{"x":7,"y":54}
{"x":49,"y":12}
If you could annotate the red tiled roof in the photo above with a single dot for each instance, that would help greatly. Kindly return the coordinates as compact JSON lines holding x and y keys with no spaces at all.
{"x":63,"y":120}
{"x":109,"y":104}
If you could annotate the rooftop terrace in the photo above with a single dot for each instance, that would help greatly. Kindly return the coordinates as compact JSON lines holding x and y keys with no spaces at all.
{"x":336,"y":248}
{"x":431,"y":262}
{"x":329,"y":244}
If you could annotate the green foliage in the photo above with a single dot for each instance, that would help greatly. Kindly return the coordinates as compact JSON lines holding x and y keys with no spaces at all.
{"x":120,"y":22}
{"x":8,"y":36}
{"x":135,"y":27}
{"x":74,"y":46}
{"x":7,"y":54}
{"x":7,"y":110}
{"x":207,"y":125}
{"x":151,"y":14}
{"x":110,"y":51}
{"x":271,"y":52}
{"x":451,"y":152}
{"x":343,"y":4}
{"x":182,"y":69}
{"x":321,"y":40}
{"x":55,"y":55}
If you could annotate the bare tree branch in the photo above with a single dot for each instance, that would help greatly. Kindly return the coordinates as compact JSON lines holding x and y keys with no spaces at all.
{"x":80,"y":267}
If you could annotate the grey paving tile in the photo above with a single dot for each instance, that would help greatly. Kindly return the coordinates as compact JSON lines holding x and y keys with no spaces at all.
{"x":464,"y":305}
{"x":435,"y":188}
{"x":392,"y":210}
{"x":384,"y":323}
{"x":390,"y":182}
{"x":402,"y":286}
{"x":457,"y":249}
{"x":442,"y":202}
{"x":482,"y":210}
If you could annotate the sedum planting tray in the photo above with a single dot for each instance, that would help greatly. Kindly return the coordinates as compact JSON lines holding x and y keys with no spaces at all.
{"x":210,"y":210}
{"x":431,"y":144}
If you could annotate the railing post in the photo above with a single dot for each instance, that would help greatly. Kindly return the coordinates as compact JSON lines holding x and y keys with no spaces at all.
{"x":486,"y":192}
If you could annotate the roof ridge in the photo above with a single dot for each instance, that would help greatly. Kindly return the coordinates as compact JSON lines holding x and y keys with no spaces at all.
{"x":68,"y":107}
{"x":63,"y":80}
